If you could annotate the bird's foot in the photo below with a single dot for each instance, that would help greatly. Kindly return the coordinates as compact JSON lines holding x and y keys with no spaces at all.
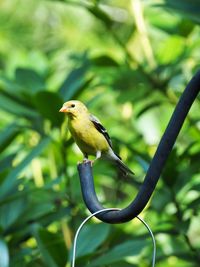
{"x":84,"y":162}
{"x":87,"y":161}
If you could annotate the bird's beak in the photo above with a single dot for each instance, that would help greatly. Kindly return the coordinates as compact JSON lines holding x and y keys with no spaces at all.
{"x":63,"y":109}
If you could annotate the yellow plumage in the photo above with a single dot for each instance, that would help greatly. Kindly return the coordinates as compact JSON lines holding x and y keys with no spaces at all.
{"x":87,"y":137}
{"x":89,"y":134}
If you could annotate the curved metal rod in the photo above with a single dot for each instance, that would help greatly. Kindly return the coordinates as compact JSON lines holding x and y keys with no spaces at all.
{"x":155,"y":168}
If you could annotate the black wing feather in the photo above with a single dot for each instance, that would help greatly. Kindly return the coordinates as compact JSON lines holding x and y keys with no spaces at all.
{"x":101,"y":129}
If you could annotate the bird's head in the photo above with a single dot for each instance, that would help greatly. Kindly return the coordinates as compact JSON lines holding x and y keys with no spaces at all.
{"x":73,"y":108}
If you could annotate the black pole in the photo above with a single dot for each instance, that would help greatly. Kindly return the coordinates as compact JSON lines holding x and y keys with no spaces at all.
{"x":157,"y":164}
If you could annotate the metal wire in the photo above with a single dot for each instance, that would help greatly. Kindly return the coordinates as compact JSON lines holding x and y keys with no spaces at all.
{"x":105,"y":210}
{"x":153,"y":240}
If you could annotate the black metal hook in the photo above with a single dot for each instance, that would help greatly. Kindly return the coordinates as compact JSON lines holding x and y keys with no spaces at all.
{"x":164,"y":148}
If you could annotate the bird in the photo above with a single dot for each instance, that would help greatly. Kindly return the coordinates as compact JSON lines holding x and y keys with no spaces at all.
{"x":90,"y":135}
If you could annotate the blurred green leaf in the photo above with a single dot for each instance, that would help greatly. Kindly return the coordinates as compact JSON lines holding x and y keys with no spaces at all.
{"x":149,"y":106}
{"x":15,"y":107}
{"x":29,"y":80}
{"x":10,"y":212}
{"x":129,"y":248}
{"x":6,"y":162}
{"x":90,"y":238}
{"x":48,"y":104}
{"x":4,"y":255}
{"x":170,"y":172}
{"x":195,"y":204}
{"x":173,"y":25}
{"x":189,"y":8}
{"x":9,"y":85}
{"x":52,"y":247}
{"x":104,"y":61}
{"x":10,"y":180}
{"x":171,"y":49}
{"x":37,"y":210}
{"x":52,"y":216}
{"x":75,"y":82}
{"x":164,"y":197}
{"x":123,"y":264}
{"x":8,"y":135}
{"x":101,"y":15}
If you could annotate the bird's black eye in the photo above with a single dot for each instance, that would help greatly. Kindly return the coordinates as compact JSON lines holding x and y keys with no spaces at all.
{"x":72,"y":105}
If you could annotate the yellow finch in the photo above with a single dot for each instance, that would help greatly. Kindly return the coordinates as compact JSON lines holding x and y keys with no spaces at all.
{"x":89,"y":134}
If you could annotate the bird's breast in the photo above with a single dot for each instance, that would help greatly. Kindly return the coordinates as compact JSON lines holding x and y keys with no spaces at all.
{"x":87,"y":137}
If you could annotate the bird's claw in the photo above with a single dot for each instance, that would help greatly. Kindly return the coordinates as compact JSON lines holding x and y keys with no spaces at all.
{"x":85,"y":160}
{"x":88,"y":161}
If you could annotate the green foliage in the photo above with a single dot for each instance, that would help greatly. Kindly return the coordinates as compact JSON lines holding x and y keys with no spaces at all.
{"x":87,"y":242}
{"x":131,"y":78}
{"x":54,"y":251}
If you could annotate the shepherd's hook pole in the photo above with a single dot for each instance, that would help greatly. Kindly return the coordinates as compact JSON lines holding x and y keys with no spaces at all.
{"x":157,"y":164}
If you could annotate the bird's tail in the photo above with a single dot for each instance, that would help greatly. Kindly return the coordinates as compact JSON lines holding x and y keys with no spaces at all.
{"x":123,"y":168}
{"x":119,"y":163}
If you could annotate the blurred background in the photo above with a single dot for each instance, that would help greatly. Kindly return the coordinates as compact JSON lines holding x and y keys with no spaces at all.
{"x":129,"y":62}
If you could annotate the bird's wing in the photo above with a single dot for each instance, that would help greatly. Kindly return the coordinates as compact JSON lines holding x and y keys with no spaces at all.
{"x":101,"y":129}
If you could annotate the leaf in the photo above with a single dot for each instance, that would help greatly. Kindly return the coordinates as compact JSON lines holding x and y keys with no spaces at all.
{"x":171,"y":172}
{"x":51,"y":246}
{"x":91,"y":237}
{"x":189,"y":8}
{"x":55,"y":216}
{"x":9,"y":86}
{"x":183,"y":226}
{"x":123,"y":264}
{"x":164,"y":197}
{"x":15,"y":107}
{"x":101,"y":15}
{"x":10,"y":180}
{"x":75,"y":82}
{"x":171,"y":49}
{"x":104,"y":61}
{"x":31,"y":192}
{"x":148,"y":106}
{"x":38,"y":210}
{"x":8,"y":135}
{"x":142,"y":162}
{"x":30,"y":80}
{"x":6,"y":162}
{"x":48,"y":105}
{"x":173,"y":25}
{"x":194,"y":205}
{"x":4,"y":254}
{"x":10,"y":212}
{"x":116,"y":254}
{"x":43,"y":212}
